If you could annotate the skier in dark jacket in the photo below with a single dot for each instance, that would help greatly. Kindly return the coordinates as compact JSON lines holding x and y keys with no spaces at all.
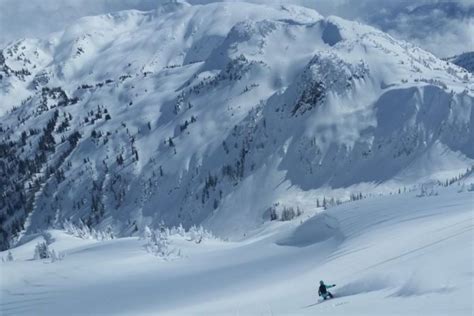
{"x":323,"y":292}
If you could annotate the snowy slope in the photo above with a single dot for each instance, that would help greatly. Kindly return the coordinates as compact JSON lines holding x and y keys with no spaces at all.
{"x":212,"y":114}
{"x":465,"y":60}
{"x":393,"y":255}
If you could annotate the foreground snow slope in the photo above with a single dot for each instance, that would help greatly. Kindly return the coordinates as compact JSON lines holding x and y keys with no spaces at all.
{"x":393,"y":255}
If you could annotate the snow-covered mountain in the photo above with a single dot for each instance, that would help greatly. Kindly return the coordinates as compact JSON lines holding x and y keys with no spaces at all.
{"x":212,"y":114}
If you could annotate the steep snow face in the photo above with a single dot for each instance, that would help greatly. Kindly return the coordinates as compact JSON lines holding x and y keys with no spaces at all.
{"x":211,"y":114}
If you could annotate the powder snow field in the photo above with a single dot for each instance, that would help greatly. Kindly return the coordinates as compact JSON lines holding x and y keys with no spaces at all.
{"x":390,"y":255}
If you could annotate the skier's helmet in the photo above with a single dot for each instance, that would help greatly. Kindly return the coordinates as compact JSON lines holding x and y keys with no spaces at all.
{"x":321,"y":282}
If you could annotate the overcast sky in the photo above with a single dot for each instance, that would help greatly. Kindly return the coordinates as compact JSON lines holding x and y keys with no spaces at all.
{"x":444,"y":30}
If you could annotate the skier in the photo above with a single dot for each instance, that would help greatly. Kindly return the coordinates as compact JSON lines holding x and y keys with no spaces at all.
{"x":323,"y":292}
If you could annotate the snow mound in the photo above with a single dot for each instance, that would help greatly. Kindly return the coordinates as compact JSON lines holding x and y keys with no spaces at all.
{"x":315,"y":230}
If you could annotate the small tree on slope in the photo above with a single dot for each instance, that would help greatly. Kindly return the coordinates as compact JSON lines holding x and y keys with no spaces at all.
{"x":157,"y":242}
{"x":42,"y":251}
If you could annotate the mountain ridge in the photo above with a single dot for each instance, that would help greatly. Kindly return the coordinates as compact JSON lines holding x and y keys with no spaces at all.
{"x":211,"y":114}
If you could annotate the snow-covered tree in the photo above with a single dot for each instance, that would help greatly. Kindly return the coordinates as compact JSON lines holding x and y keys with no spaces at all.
{"x":471,"y":187}
{"x":288,"y":214}
{"x":147,"y":233}
{"x":198,"y":234}
{"x":180,"y":231}
{"x":427,"y":190}
{"x":158,"y":243}
{"x":83,"y":231}
{"x":9,"y":257}
{"x":161,"y":243}
{"x":56,"y":256}
{"x":42,"y":251}
{"x":273,"y":214}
